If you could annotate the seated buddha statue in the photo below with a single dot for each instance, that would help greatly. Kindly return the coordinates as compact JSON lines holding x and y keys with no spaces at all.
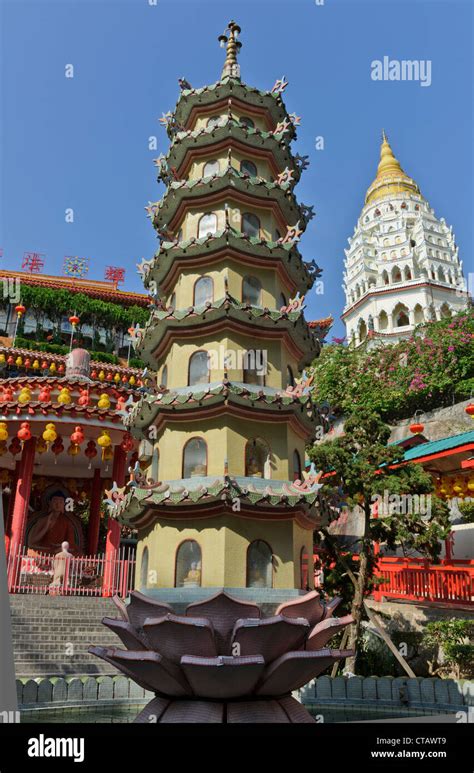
{"x":48,"y":531}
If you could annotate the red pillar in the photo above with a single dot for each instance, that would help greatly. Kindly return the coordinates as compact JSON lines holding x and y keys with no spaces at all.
{"x":11,"y":502}
{"x":94,"y":514}
{"x":22,"y":493}
{"x":113,"y":527}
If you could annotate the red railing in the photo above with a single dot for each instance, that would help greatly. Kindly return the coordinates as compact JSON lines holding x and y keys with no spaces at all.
{"x":417,"y":580}
{"x":76,"y":576}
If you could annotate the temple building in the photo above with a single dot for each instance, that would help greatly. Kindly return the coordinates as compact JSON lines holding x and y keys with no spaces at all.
{"x":402,"y":267}
{"x":224,"y":501}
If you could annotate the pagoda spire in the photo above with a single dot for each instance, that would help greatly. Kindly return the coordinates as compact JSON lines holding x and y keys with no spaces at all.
{"x":390,"y":177}
{"x":228,"y":39}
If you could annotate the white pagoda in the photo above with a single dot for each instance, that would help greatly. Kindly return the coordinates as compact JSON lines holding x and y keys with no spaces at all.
{"x":402,"y":266}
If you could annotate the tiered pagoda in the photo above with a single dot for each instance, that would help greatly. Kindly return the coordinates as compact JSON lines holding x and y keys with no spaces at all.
{"x":224,"y":501}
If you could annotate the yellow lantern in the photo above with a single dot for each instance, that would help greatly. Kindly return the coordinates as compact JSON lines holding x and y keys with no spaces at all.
{"x":117,"y":378}
{"x":64,"y":396}
{"x":104,"y":441}
{"x":104,"y":401}
{"x":25,"y":395}
{"x":457,"y":487}
{"x":470,"y":483}
{"x":36,"y":365}
{"x":3,"y":431}
{"x":3,"y":359}
{"x":41,"y":446}
{"x":73,"y":449}
{"x":101,"y":375}
{"x":19,"y":361}
{"x":50,"y":434}
{"x":132,"y":380}
{"x":52,"y":368}
{"x":107,"y":454}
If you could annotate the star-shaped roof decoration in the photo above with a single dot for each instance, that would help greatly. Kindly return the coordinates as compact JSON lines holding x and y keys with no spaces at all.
{"x":279,"y":86}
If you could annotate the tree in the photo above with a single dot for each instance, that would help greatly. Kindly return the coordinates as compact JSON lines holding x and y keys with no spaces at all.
{"x":361,"y":470}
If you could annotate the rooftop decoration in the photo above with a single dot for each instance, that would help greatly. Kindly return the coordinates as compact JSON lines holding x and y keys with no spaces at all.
{"x":33,"y":262}
{"x":75,"y":267}
{"x":191,"y":663}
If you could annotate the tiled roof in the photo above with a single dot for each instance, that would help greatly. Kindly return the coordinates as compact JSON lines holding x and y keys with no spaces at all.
{"x":438,"y":446}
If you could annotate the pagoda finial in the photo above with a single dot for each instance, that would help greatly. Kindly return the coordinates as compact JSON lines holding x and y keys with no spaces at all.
{"x":229,"y":37}
{"x":390,"y":177}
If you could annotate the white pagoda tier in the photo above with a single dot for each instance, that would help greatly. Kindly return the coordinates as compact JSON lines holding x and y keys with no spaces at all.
{"x":402,"y":266}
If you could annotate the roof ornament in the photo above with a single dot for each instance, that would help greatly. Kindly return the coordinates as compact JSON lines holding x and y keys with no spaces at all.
{"x":279,"y":86}
{"x":229,"y":40}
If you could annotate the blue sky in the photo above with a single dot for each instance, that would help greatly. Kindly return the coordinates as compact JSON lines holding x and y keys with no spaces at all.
{"x":83,"y":142}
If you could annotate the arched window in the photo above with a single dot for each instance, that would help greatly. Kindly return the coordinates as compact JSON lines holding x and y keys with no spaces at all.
{"x":441,"y":276}
{"x":254,"y":367}
{"x":188,"y":565}
{"x":290,"y":379}
{"x":251,"y":290}
{"x":247,"y":122}
{"x":199,"y":372}
{"x":304,"y":567}
{"x":210,"y":168}
{"x":257,"y":453}
{"x":419,"y":316}
{"x":250,"y":224}
{"x":144,"y":568}
{"x":362,"y":328}
{"x":400,"y":316}
{"x":259,"y":565}
{"x":195,"y":458}
{"x":385,"y":278}
{"x":207,"y":225}
{"x":296,"y":465}
{"x":396,"y":274}
{"x":248,"y":167}
{"x":213,"y":121}
{"x":445,"y":311}
{"x":203,"y":290}
{"x":164,"y":377}
{"x":383,"y":320}
{"x":407,"y":273}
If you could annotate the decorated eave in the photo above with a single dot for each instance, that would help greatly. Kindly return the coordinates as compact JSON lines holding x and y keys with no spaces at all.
{"x":210,"y":137}
{"x":293,"y":405}
{"x":102,"y":290}
{"x":233,"y":183}
{"x":243,"y":96}
{"x":211,"y":496}
{"x":227,"y":312}
{"x":255,"y":251}
{"x":31,"y":362}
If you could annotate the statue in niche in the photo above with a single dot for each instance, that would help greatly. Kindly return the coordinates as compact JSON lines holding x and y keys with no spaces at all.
{"x":46,"y":531}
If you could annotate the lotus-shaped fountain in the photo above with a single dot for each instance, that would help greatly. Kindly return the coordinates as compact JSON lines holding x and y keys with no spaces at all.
{"x":222,"y":661}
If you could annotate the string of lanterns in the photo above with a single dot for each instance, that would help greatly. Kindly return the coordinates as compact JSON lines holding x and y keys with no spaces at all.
{"x":36,"y":364}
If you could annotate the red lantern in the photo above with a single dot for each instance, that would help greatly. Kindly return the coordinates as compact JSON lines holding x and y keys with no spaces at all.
{"x":91,"y":450}
{"x":74,"y":320}
{"x":109,"y":377}
{"x":20,"y":310}
{"x":469,"y":409}
{"x":27,"y":363}
{"x":58,"y":446}
{"x":94,"y":374}
{"x":15,"y":446}
{"x":44,"y":365}
{"x":24,"y":433}
{"x":61,"y":368}
{"x":84,"y":398}
{"x":7,"y":395}
{"x":124,"y":379}
{"x":11,"y":360}
{"x":416,"y":428}
{"x":127,"y":442}
{"x":45,"y":395}
{"x":77,"y":437}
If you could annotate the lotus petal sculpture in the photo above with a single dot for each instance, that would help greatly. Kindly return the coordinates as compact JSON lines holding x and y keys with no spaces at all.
{"x":222,"y":661}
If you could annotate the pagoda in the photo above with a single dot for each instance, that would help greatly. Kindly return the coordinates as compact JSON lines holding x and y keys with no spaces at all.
{"x":220,"y":497}
{"x":402,"y":266}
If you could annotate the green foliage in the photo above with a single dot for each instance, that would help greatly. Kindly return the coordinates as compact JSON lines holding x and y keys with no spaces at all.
{"x":467,"y":511}
{"x":136,"y":362}
{"x":453,"y":641}
{"x":423,"y":372}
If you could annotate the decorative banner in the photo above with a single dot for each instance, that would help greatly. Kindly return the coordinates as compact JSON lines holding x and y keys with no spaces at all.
{"x":114,"y":274}
{"x":75,"y":267}
{"x":33,"y":262}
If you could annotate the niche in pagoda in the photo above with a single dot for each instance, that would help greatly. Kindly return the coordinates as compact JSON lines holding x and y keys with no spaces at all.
{"x":227,"y":340}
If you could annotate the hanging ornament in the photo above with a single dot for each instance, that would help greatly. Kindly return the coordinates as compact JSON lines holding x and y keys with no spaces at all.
{"x":132,"y":380}
{"x":35,"y":365}
{"x":27,"y":363}
{"x":61,"y":368}
{"x":94,"y":374}
{"x":19,"y":361}
{"x":117,"y":378}
{"x":3,"y":359}
{"x":3,"y":431}
{"x":101,"y":376}
{"x":44,"y":365}
{"x":104,"y":401}
{"x":127,"y":442}
{"x":73,"y":449}
{"x":84,"y":398}
{"x":109,"y":377}
{"x":91,"y":452}
{"x":25,"y":395}
{"x":107,"y":454}
{"x":52,"y":367}
{"x":64,"y":397}
{"x":50,"y":434}
{"x":20,"y":310}
{"x":11,"y":360}
{"x":7,"y":395}
{"x":74,"y":320}
{"x":57,"y":448}
{"x":45,"y":395}
{"x":77,"y":437}
{"x":469,"y":409}
{"x":416,"y":427}
{"x":3,"y":448}
{"x":41,"y":446}
{"x":24,"y":433}
{"x":15,"y":446}
{"x":104,"y":441}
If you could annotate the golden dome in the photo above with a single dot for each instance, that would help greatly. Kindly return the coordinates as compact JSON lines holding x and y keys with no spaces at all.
{"x":390,"y":176}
